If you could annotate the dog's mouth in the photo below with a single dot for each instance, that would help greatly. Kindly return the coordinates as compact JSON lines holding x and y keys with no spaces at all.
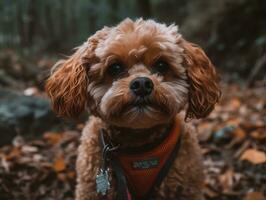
{"x":142,"y":102}
{"x":141,"y":112}
{"x":145,"y":104}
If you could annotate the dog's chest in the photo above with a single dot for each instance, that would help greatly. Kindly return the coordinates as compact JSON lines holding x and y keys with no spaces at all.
{"x":140,"y":174}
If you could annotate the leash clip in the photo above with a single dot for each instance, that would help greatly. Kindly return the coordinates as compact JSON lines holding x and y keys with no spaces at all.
{"x":102,"y":178}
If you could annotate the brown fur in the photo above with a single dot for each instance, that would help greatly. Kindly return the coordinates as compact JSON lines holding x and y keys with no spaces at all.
{"x":204,"y":89}
{"x":183,"y":182}
{"x":83,"y":82}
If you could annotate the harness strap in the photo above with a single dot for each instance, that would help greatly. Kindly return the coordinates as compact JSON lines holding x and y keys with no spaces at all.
{"x":165,"y":169}
{"x":121,"y":181}
{"x":122,"y":190}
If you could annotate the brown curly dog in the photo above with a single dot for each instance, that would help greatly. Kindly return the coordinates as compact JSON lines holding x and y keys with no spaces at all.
{"x":134,"y":79}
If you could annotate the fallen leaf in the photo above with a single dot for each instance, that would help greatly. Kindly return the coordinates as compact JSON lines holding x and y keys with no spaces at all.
{"x":18,"y":141}
{"x":62,"y":177}
{"x":71,"y":174}
{"x":31,"y":91}
{"x":204,"y":131}
{"x":59,"y":164}
{"x":29,"y":149}
{"x":52,"y":137}
{"x":15,"y":153}
{"x":80,"y":126}
{"x":254,"y":196}
{"x":235,"y":103}
{"x":258,"y":134}
{"x":226,"y":179}
{"x":234,"y":121}
{"x":4,"y":163}
{"x":210,"y":193}
{"x":254,"y":156}
{"x":239,"y":133}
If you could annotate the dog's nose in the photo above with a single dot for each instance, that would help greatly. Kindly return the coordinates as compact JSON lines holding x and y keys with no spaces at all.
{"x":141,"y":86}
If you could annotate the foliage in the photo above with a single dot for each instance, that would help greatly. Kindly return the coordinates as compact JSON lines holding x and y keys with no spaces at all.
{"x":233,"y":142}
{"x":232,"y":32}
{"x":52,"y":24}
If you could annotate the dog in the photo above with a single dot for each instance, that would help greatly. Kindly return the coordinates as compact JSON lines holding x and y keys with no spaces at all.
{"x":135,"y":79}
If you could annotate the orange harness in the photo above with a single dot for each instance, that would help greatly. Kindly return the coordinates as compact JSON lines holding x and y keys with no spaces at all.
{"x":143,"y":171}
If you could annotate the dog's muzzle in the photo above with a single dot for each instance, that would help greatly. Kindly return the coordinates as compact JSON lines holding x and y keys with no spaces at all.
{"x":141,"y":86}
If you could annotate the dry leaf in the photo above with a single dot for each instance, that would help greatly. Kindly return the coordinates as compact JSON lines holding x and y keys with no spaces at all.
{"x":62,"y":177}
{"x":31,"y":91}
{"x":235,"y":103}
{"x":71,"y":174}
{"x":258,"y":134}
{"x":210,"y":193}
{"x":4,"y":163}
{"x":80,"y":126}
{"x":239,"y":133}
{"x":254,"y":156}
{"x":52,"y":137}
{"x":204,"y":131}
{"x":15,"y":153}
{"x":34,"y":163}
{"x":226,"y":179}
{"x":234,"y":121}
{"x":255,"y":196}
{"x":29,"y":149}
{"x":59,"y":164}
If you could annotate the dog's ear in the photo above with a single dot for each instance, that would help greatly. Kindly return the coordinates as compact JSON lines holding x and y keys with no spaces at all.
{"x":67,"y":85}
{"x":204,"y":91}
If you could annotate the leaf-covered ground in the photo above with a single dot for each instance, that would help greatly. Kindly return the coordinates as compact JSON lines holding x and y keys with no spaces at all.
{"x":233,"y":142}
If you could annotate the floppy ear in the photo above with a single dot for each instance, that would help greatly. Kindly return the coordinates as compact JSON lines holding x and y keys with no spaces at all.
{"x":204,"y":91}
{"x":67,"y":85}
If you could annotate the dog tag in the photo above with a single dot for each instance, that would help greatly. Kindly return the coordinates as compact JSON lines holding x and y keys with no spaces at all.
{"x":102,"y":182}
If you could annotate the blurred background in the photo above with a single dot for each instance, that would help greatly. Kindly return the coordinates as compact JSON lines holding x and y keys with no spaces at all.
{"x":38,"y":150}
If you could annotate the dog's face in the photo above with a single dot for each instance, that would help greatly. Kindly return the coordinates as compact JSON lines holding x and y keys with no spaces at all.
{"x":137,"y":75}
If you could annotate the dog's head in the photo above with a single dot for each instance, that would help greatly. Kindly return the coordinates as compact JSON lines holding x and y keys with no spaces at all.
{"x":137,"y":75}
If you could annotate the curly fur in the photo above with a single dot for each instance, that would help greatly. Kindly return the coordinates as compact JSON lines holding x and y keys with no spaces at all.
{"x":82,"y":82}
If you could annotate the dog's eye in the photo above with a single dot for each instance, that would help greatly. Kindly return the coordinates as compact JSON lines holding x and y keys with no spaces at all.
{"x":116,"y":69}
{"x":160,"y":66}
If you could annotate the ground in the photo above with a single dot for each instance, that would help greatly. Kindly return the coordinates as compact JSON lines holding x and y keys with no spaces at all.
{"x":233,"y":142}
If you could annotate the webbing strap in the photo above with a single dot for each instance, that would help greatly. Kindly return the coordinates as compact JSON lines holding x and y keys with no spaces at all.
{"x":122,"y":190}
{"x":165,"y":169}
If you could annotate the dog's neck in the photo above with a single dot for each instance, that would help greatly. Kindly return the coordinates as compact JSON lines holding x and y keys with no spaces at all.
{"x":136,"y":138}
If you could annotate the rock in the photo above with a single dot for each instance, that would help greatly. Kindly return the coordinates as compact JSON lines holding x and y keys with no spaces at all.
{"x":224,"y":134}
{"x":24,"y":115}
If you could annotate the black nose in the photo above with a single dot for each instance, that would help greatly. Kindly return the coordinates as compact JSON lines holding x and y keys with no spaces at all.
{"x":141,"y":86}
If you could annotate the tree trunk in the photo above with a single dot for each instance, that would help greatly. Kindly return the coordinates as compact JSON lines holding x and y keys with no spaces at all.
{"x":113,"y":17}
{"x":31,"y":25}
{"x":144,"y":8}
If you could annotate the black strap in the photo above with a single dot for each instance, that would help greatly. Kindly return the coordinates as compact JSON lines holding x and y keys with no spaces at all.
{"x":122,"y":190}
{"x":165,"y":169}
{"x":107,"y":155}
